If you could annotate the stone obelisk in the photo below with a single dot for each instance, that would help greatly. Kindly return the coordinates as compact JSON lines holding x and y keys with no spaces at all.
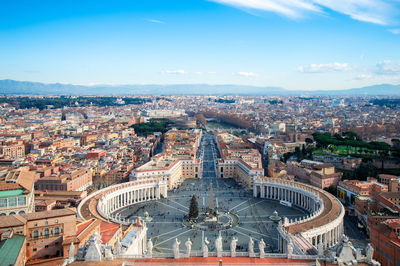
{"x":211,"y":197}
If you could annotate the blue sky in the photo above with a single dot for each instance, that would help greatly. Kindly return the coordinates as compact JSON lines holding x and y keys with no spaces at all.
{"x":295,"y":44}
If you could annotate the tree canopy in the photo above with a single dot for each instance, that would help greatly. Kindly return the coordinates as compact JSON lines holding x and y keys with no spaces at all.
{"x":193,"y":208}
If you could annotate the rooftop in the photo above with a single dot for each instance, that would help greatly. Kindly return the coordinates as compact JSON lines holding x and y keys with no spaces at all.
{"x":10,"y":248}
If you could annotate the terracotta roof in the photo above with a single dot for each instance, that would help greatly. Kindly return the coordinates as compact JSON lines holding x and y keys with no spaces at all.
{"x":331,"y":211}
{"x":26,"y":179}
{"x":88,"y":230}
{"x":9,"y":186}
{"x":82,"y":226}
{"x":49,"y":214}
{"x":12,"y":221}
{"x":108,"y":230}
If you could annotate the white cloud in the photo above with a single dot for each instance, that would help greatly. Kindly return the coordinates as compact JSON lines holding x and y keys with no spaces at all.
{"x":363,"y":77}
{"x":247,"y":74}
{"x":373,"y":11}
{"x":394,"y":31}
{"x":155,"y":21}
{"x":176,"y":72}
{"x":289,"y":8}
{"x":211,"y":73}
{"x":387,"y":67}
{"x":198,"y":73}
{"x":324,"y":68}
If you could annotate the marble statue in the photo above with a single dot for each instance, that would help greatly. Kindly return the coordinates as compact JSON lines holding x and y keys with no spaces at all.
{"x":188,"y":245}
{"x":346,"y":252}
{"x":290,"y":249}
{"x":369,"y":252}
{"x":117,"y":247}
{"x":108,"y":254}
{"x":233,"y":246}
{"x":251,"y":247}
{"x":93,"y":251}
{"x":175,"y":247}
{"x":149,"y":251}
{"x":80,"y":254}
{"x":71,"y":252}
{"x":218,"y":246}
{"x":204,"y":247}
{"x":320,"y":249}
{"x":261,"y":246}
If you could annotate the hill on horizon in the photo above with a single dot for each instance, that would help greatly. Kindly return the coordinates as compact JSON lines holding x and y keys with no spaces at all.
{"x":14,"y":87}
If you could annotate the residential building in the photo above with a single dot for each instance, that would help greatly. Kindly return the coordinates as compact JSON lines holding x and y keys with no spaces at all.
{"x":17,"y":193}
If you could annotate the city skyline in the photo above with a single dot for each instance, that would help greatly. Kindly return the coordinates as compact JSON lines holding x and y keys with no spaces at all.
{"x":297,"y":45}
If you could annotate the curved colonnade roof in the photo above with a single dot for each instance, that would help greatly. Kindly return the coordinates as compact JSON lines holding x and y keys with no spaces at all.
{"x":332,"y":209}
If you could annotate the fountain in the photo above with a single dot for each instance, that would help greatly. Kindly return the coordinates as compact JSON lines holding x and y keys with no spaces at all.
{"x":275,"y":217}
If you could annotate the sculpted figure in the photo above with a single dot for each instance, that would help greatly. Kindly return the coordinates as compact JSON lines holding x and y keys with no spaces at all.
{"x":204,"y":247}
{"x":261,"y":246}
{"x":218,"y":245}
{"x":175,"y":247}
{"x":233,"y":246}
{"x":118,"y":247}
{"x":150,"y":247}
{"x":290,"y":249}
{"x":188,"y":245}
{"x":71,"y":252}
{"x":320,"y":249}
{"x":369,"y":252}
{"x":251,"y":247}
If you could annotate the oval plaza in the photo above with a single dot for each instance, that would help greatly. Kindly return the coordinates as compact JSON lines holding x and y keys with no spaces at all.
{"x":318,"y":227}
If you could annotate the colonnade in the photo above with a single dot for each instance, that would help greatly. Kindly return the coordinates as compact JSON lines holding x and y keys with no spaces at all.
{"x":308,"y":198}
{"x":115,"y":197}
{"x":130,"y":195}
{"x":305,"y":199}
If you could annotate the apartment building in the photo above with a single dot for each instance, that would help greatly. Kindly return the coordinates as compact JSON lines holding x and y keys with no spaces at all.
{"x":17,"y":193}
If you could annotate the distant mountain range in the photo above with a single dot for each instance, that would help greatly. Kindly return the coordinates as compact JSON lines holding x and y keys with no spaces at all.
{"x":13,"y":87}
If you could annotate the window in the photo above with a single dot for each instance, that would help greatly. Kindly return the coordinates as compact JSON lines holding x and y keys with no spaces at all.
{"x":56,"y":221}
{"x":21,"y":212}
{"x":56,"y":231}
{"x":46,"y":246}
{"x":3,"y":203}
{"x":12,"y":213}
{"x":12,"y":202}
{"x":46,"y":232}
{"x":35,"y":234}
{"x":46,"y":223}
{"x":35,"y":224}
{"x":34,"y":249}
{"x":21,"y":201}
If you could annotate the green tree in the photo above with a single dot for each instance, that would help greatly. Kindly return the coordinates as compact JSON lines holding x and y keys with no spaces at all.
{"x":193,"y":208}
{"x":309,"y":141}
